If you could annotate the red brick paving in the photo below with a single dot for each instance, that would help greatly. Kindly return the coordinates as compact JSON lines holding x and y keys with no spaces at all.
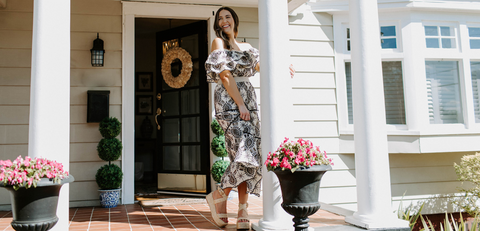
{"x":182,"y":218}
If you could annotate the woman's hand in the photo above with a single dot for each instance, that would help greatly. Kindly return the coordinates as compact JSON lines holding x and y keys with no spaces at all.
{"x":292,"y":71}
{"x":244,"y":113}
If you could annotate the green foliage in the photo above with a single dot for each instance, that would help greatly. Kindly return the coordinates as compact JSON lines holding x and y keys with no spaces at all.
{"x":218,"y":169}
{"x":109,"y":176}
{"x":109,"y":149}
{"x":110,"y":127}
{"x":408,"y":214}
{"x":218,"y":146}
{"x":451,"y":225}
{"x":469,"y":170}
{"x":216,"y":128}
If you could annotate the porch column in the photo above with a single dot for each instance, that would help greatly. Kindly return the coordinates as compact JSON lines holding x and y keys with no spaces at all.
{"x":371,"y":148}
{"x":274,"y":105}
{"x":49,"y":126}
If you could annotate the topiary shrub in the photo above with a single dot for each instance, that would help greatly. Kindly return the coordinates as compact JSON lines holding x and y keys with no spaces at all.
{"x":109,"y":176}
{"x":109,"y":149}
{"x":218,"y":169}
{"x":110,"y":127}
{"x":218,"y":146}
{"x":216,"y":128}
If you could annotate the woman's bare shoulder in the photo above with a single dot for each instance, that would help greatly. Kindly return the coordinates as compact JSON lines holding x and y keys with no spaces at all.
{"x":218,"y":44}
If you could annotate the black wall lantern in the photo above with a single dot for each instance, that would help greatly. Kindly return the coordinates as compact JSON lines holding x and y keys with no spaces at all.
{"x":98,"y":53}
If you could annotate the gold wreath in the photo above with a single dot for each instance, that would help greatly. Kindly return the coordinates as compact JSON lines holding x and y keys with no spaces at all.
{"x":187,"y":67}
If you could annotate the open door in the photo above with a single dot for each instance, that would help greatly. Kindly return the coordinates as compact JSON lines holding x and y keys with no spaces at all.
{"x":183,"y":152}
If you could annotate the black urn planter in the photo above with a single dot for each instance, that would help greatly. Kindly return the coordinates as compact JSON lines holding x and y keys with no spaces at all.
{"x":36,"y":208}
{"x":300,"y":193}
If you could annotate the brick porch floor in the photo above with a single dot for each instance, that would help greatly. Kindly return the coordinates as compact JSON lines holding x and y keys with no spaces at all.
{"x":185,"y":217}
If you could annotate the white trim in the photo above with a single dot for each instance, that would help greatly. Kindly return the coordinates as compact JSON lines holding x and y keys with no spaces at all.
{"x":132,"y":10}
{"x":334,"y":7}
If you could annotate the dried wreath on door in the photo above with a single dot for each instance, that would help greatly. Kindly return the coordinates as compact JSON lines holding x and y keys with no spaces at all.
{"x":172,"y":55}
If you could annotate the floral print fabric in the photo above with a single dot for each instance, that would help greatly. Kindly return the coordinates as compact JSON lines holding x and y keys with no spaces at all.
{"x":239,"y":63}
{"x":242,"y":138}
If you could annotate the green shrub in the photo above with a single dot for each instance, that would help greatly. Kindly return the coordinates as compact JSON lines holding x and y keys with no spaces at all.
{"x":218,"y":146}
{"x":218,"y":169}
{"x":110,"y":127}
{"x":216,"y":128}
{"x":469,"y":170}
{"x":109,"y":176}
{"x":109,"y":149}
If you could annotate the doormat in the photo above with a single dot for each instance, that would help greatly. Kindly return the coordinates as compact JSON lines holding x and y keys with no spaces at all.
{"x":172,"y":202}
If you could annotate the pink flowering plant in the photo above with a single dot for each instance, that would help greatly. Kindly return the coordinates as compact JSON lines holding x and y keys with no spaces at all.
{"x":27,"y":172}
{"x":293,"y":155}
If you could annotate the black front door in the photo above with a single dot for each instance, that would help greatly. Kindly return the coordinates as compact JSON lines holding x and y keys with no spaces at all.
{"x":183,"y":151}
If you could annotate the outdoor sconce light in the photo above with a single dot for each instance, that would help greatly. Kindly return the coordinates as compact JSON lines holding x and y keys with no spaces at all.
{"x":98,"y":53}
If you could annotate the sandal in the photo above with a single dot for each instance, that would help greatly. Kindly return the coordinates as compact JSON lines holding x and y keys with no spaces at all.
{"x":242,"y":221}
{"x":212,"y":202}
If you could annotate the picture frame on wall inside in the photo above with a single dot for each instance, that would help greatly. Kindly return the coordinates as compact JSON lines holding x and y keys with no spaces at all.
{"x":144,"y":81}
{"x":144,"y":105}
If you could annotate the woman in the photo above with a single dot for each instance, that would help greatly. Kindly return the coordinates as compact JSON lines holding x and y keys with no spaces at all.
{"x":230,"y":65}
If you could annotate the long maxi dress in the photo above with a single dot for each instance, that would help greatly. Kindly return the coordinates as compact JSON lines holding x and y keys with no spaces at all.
{"x":242,"y":138}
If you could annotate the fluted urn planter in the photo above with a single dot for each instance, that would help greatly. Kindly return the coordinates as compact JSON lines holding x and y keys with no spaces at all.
{"x":36,"y":208}
{"x":300,"y":193}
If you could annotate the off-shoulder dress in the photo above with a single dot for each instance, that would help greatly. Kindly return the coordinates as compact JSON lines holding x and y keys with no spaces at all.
{"x":242,"y":138}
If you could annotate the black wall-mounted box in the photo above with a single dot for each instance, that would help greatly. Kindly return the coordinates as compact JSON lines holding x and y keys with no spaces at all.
{"x":98,"y":104}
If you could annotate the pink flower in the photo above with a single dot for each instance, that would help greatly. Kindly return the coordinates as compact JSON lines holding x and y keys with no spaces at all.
{"x":285,"y":163}
{"x":275,"y":162}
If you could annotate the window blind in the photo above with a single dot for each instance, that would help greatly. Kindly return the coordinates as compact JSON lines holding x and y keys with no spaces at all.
{"x":443,"y":92}
{"x":475,"y":69}
{"x":393,"y":92}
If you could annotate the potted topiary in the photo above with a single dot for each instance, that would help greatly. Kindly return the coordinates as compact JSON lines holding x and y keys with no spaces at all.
{"x":109,"y":177}
{"x":218,"y":149}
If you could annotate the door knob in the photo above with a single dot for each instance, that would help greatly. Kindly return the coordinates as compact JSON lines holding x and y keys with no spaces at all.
{"x":159,"y":111}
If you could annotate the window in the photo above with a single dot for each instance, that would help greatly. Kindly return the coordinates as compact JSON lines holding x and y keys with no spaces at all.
{"x":475,"y":67}
{"x":440,"y":37}
{"x":393,"y":89}
{"x":388,"y":37}
{"x":474,"y":33}
{"x":443,"y":91}
{"x":348,"y":39}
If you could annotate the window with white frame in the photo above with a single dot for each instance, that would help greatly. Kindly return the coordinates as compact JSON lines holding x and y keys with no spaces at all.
{"x":393,"y":90}
{"x":443,"y":92}
{"x":388,"y":37}
{"x":440,"y":37}
{"x":474,"y":34}
{"x":475,"y":69}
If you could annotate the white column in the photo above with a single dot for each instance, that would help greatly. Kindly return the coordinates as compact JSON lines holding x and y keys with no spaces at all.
{"x":371,"y":149}
{"x":49,"y":126}
{"x":274,"y":105}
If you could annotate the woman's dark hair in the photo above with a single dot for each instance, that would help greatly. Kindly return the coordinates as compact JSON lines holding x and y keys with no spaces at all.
{"x":218,"y":29}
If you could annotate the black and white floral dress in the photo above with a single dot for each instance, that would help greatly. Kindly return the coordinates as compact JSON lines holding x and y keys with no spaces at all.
{"x":242,"y":138}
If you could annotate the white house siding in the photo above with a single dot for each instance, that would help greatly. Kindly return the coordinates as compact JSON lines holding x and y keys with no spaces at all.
{"x":88,"y":17}
{"x":315,"y":102}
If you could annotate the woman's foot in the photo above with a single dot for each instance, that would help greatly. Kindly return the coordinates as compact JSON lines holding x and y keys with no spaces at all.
{"x":242,"y":221}
{"x":217,"y":200}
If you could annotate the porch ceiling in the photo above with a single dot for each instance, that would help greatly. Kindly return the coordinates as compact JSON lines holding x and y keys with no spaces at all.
{"x":292,"y":4}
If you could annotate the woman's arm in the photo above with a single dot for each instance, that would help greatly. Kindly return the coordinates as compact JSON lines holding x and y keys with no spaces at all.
{"x":230,"y":85}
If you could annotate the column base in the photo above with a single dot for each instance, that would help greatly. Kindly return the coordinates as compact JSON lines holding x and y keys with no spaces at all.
{"x":272,"y":225}
{"x":378,"y":222}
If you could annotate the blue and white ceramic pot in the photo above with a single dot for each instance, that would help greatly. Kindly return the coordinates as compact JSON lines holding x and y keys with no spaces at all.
{"x":109,"y":198}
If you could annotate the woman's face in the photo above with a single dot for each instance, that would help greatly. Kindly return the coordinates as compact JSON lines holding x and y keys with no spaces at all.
{"x":226,"y":22}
